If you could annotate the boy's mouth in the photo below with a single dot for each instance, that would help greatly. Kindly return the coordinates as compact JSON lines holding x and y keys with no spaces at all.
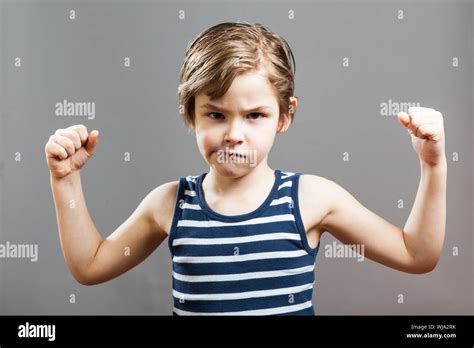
{"x":235,"y":154}
{"x":231,"y":154}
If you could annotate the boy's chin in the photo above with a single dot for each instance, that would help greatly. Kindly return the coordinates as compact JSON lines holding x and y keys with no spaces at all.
{"x":232,"y":170}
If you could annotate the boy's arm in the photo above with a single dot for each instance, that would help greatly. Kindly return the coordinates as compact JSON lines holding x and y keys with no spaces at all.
{"x":417,"y":247}
{"x":90,"y":258}
{"x":425,"y":227}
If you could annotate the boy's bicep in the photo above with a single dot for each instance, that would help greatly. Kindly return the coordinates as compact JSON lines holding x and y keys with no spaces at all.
{"x":137,"y":237}
{"x":352,"y":223}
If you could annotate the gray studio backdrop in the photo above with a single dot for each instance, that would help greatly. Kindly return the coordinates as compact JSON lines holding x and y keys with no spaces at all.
{"x":351,"y":57}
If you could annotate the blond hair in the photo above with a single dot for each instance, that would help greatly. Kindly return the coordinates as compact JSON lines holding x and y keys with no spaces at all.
{"x":219,"y":54}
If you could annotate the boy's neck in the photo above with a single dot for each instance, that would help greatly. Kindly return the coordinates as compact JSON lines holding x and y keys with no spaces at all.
{"x":223,"y":185}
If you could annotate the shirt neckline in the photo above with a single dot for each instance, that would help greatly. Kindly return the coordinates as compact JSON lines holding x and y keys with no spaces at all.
{"x":240,"y":217}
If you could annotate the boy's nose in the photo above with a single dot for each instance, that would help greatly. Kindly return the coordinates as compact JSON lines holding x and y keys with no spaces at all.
{"x":234,"y":133}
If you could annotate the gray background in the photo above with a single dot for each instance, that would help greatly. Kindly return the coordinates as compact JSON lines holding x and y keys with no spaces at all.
{"x":405,"y":60}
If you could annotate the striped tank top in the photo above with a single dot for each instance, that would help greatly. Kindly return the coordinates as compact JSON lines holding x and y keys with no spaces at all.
{"x":258,"y":263}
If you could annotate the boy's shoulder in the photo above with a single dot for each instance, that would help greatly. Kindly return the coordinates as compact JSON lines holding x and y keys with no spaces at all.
{"x":161,"y":202}
{"x":315,"y":184}
{"x":318,"y":185}
{"x":316,"y":196}
{"x":324,"y":192}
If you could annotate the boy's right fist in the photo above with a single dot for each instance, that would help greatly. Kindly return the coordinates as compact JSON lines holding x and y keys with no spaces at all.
{"x":69,"y":149}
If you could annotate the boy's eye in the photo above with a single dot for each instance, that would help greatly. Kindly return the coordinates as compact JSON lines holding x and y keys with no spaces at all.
{"x":214,"y":115}
{"x":218,"y":116}
{"x":255,"y":114}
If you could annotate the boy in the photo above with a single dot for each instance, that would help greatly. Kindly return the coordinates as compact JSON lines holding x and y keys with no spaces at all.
{"x":244,"y":237}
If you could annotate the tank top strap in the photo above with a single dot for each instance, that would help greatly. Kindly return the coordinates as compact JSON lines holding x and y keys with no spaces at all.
{"x":288,"y":199}
{"x":186,"y":197}
{"x":285,"y":193}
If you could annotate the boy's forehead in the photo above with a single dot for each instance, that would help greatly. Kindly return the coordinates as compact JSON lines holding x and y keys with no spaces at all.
{"x":250,"y":88}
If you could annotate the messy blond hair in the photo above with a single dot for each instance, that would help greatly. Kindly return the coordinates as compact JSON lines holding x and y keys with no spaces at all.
{"x":219,"y":54}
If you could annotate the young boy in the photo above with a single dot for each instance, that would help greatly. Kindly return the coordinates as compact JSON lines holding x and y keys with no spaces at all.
{"x":244,"y":237}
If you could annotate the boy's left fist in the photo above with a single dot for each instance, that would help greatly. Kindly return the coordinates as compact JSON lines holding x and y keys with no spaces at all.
{"x":426,"y":128}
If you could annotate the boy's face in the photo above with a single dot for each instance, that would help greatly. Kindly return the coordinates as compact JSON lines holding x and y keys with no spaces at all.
{"x":236,"y":132}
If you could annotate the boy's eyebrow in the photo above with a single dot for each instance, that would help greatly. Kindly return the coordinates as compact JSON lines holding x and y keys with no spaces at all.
{"x":215,"y":107}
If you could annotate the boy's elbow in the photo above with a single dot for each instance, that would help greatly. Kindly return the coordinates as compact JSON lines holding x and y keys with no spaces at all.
{"x":81,"y":279}
{"x":84,"y":278}
{"x":424,"y":268}
{"x":85,"y":281}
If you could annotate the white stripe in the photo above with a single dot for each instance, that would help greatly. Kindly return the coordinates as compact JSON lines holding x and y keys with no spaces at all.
{"x":243,"y":276}
{"x":239,"y":258}
{"x":236,"y":240}
{"x":191,"y":206}
{"x":286,"y":184}
{"x":192,"y":178}
{"x":287,"y":175}
{"x":282,"y":200}
{"x":213,"y":223}
{"x":265,"y":311}
{"x":242,"y":295}
{"x":190,"y":193}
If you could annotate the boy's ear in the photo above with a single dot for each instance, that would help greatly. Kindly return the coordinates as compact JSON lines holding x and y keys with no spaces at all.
{"x":284,"y":123}
{"x":192,"y":124}
{"x":285,"y":119}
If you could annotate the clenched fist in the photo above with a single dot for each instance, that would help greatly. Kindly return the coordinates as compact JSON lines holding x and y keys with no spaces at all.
{"x":69,"y":149}
{"x":426,"y":127}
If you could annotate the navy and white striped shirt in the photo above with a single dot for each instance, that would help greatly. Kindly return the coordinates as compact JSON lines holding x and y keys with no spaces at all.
{"x":259,"y":263}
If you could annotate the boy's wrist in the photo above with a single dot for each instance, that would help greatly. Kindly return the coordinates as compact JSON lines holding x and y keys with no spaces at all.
{"x":69,"y":179}
{"x":439,"y":166}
